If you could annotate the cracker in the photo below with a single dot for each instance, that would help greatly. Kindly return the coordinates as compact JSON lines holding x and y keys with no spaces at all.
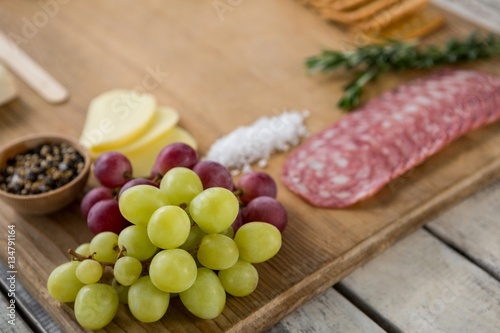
{"x":413,"y":26}
{"x":343,"y":5}
{"x":322,"y":3}
{"x":392,"y":14}
{"x":417,"y":25}
{"x":379,"y":20}
{"x":359,"y":14}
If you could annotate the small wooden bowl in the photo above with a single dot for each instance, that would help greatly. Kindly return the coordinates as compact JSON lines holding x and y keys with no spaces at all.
{"x":53,"y":200}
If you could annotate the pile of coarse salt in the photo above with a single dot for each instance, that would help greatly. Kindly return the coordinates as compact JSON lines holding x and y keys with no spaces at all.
{"x":255,"y":143}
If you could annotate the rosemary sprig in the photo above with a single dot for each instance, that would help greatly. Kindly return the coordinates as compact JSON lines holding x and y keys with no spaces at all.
{"x":371,"y":61}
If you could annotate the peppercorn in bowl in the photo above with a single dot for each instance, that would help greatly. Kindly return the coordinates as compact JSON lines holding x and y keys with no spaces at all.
{"x":42,"y":173}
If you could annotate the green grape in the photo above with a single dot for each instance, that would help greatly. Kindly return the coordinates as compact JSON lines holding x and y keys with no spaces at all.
{"x":217,"y":252}
{"x":169,"y":227}
{"x":105,"y":246}
{"x":241,"y":279}
{"x":194,"y":238}
{"x":258,"y":241}
{"x":96,"y":305}
{"x":83,"y":249}
{"x":127,"y":270}
{"x":136,"y":242}
{"x":139,"y":202}
{"x":214,"y":209}
{"x":181,"y":185}
{"x":206,"y":298}
{"x":62,"y":284}
{"x":89,"y":271}
{"x":121,"y":290}
{"x":146,"y":302}
{"x":173,"y":270}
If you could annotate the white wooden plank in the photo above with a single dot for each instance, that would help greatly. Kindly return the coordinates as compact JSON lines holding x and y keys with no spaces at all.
{"x":13,"y":323}
{"x":484,"y":13}
{"x":31,"y":310}
{"x":422,"y":285}
{"x":473,"y":227}
{"x":329,"y":312}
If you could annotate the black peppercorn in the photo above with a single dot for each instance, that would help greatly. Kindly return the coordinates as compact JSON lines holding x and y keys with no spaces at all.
{"x":41,"y":169}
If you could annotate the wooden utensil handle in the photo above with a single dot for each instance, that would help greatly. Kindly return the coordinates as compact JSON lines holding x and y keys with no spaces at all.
{"x":30,"y":72}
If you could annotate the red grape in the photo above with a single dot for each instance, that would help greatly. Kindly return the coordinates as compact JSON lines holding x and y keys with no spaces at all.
{"x":105,"y":216}
{"x":256,"y":184}
{"x":134,"y":182}
{"x":266,"y":209}
{"x":94,"y":196}
{"x":174,"y":155}
{"x":112,"y":169}
{"x":238,"y":222}
{"x":213,"y":174}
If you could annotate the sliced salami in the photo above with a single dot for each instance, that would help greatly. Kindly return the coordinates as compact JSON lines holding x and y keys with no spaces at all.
{"x":358,"y":155}
{"x":357,"y":177}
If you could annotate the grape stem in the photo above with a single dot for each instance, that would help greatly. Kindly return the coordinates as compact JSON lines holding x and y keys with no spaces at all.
{"x":121,"y":252}
{"x":115,"y":192}
{"x":77,"y":256}
{"x":157,"y":178}
{"x":194,"y":251}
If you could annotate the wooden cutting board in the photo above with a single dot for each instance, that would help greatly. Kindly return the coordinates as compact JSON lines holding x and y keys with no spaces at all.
{"x":221,"y":69}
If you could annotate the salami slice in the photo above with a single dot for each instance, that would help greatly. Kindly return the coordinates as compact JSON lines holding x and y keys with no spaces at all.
{"x":357,"y":156}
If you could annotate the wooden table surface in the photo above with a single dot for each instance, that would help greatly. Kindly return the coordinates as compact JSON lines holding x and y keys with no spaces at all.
{"x":221,"y":72}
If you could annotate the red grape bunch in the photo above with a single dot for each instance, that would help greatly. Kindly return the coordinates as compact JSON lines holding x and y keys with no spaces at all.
{"x":256,"y":191}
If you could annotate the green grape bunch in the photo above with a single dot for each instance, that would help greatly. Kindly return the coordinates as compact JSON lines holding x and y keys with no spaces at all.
{"x":185,"y":239}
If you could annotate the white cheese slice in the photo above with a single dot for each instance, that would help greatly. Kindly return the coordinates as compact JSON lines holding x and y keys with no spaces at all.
{"x":165,"y":119}
{"x":117,"y":118}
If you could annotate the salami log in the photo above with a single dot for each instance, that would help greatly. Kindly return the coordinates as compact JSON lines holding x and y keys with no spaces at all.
{"x":362,"y":152}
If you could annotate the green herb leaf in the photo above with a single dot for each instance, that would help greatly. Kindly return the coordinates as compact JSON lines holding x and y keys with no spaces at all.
{"x":372,"y":60}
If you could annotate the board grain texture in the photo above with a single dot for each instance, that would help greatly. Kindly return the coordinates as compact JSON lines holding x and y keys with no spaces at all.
{"x":222,"y":69}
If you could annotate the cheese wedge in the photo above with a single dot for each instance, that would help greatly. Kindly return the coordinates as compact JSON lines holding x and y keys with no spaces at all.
{"x":7,"y":87}
{"x":143,"y":159}
{"x":165,"y":119}
{"x":117,"y":118}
